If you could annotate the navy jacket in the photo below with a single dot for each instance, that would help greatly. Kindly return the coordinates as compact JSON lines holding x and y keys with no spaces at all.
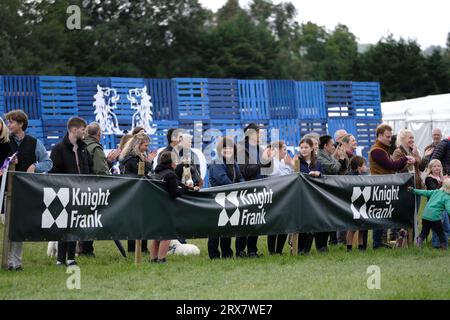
{"x":221,"y":174}
{"x":305,"y":168}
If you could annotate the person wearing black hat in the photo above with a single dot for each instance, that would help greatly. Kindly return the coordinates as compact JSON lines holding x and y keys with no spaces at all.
{"x":254,"y":163}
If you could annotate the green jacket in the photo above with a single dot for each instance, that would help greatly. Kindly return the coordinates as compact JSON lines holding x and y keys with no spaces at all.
{"x":95,"y":149}
{"x":438,"y":202}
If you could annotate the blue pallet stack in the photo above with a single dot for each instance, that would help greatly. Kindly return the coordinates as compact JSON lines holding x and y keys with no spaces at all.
{"x":282,"y":99}
{"x":58,"y":98}
{"x":253,"y":100}
{"x":356,"y":107}
{"x":35,"y":129}
{"x":159,"y":138}
{"x":206,"y":108}
{"x":163,"y":93}
{"x":22,"y":92}
{"x":311,"y":107}
{"x":288,"y":131}
{"x":192,"y":99}
{"x":223,"y":97}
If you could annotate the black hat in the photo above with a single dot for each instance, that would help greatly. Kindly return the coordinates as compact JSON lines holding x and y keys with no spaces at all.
{"x":253,"y":126}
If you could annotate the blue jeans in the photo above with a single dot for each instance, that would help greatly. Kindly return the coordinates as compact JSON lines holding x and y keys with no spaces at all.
{"x":446,"y":225}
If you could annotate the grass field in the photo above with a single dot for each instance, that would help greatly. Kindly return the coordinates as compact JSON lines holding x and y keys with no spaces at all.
{"x":405,"y":274}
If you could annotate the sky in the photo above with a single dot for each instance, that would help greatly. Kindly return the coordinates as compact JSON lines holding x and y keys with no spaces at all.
{"x":426,"y":21}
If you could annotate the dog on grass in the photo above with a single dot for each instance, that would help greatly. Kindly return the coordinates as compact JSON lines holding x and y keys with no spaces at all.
{"x":52,"y":248}
{"x":184,"y":249}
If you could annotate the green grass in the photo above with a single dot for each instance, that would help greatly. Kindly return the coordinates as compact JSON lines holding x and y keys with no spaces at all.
{"x":405,"y":274}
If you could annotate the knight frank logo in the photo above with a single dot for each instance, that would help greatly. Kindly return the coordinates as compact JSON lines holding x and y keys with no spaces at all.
{"x":253,"y":214}
{"x":83,"y":208}
{"x":47,"y":218}
{"x":373,"y":202}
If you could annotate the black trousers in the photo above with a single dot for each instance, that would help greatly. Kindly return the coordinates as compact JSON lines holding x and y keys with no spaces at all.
{"x":321,"y":240}
{"x":437,"y":227}
{"x":86,"y":247}
{"x":132,"y":248}
{"x":333,"y":237}
{"x":225,"y":247}
{"x":249,"y":242}
{"x":275,"y":243}
{"x":305,"y":242}
{"x":66,"y":248}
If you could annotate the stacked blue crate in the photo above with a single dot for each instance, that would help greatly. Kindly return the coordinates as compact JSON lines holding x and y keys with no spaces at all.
{"x":192,"y":99}
{"x":253,"y":100}
{"x":159,"y":138}
{"x":282,"y":99}
{"x":58,"y":98}
{"x":109,"y":141}
{"x":164,"y":100}
{"x":2,"y":99}
{"x":22,"y":92}
{"x":356,"y":107}
{"x":35,"y":129}
{"x":223,"y":97}
{"x":318,"y":126}
{"x":310,"y":100}
{"x":311,"y":107}
{"x":193,"y":106}
{"x":367,"y":103}
{"x":286,"y":130}
{"x":86,"y":89}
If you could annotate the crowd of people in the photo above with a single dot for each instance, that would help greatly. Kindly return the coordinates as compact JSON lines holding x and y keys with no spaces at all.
{"x":80,"y":152}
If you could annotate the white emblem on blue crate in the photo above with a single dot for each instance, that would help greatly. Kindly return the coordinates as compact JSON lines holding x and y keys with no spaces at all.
{"x":143,"y":117}
{"x":104,"y":114}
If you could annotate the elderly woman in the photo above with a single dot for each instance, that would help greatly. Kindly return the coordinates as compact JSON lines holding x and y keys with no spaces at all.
{"x":406,"y":147}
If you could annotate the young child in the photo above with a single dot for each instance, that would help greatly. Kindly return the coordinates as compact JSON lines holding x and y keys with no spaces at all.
{"x":438,"y":202}
{"x":357,"y":167}
{"x":433,"y":181}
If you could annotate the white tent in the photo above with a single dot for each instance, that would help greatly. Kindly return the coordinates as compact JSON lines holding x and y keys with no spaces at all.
{"x":421,"y":115}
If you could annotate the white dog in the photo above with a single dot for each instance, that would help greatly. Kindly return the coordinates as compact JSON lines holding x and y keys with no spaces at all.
{"x":184,"y":249}
{"x":52,"y":248}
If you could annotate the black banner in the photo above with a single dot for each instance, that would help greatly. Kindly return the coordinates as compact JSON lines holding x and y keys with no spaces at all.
{"x":83,"y":207}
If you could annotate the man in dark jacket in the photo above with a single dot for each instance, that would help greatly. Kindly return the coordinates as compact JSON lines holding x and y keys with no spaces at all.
{"x":442,"y":153}
{"x":254,"y":164}
{"x":71,"y":157}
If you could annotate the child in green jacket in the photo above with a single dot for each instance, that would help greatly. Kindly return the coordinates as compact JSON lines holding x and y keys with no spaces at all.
{"x":438,"y":202}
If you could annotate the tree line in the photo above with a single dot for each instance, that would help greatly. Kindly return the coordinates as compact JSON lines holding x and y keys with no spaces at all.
{"x":180,"y":38}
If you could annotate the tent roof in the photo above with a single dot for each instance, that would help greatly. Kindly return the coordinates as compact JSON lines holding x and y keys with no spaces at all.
{"x":429,"y":108}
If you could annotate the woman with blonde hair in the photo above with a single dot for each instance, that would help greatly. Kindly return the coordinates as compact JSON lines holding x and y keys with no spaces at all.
{"x":407,"y":147}
{"x":5,"y":147}
{"x":433,"y":181}
{"x":135,"y":151}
